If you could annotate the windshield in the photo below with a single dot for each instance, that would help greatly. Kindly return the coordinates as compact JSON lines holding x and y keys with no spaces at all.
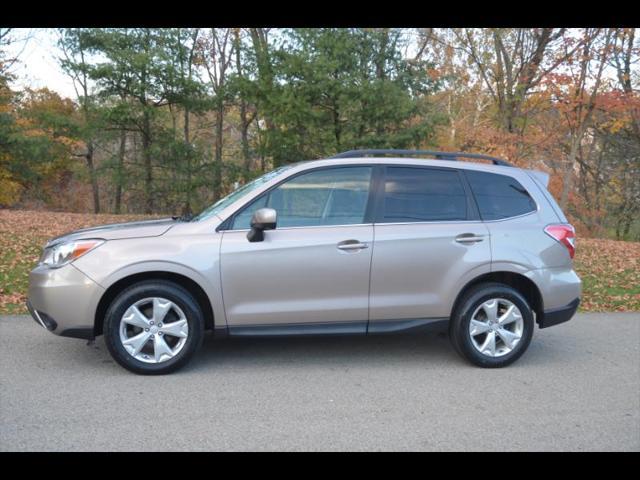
{"x":239,"y":193}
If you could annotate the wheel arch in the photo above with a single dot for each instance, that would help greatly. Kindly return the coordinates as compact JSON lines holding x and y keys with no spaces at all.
{"x":519,"y":282}
{"x":193,"y":287}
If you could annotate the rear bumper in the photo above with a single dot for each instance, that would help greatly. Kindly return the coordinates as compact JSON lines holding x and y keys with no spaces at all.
{"x":559,"y":315}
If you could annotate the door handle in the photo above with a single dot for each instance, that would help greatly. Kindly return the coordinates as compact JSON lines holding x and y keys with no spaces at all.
{"x":469,"y":238}
{"x":351,"y":245}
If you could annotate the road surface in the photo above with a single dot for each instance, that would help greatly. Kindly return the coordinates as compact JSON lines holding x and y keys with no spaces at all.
{"x":576,"y":388}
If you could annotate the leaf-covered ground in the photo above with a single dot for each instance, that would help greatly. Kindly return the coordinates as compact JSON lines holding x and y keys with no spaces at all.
{"x":22,"y":236}
{"x":609,"y":269}
{"x":610,"y":273}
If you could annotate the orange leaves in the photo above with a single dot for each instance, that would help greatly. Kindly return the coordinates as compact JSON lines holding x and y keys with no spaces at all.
{"x":22,"y":236}
{"x":610,"y":272}
{"x":9,"y":188}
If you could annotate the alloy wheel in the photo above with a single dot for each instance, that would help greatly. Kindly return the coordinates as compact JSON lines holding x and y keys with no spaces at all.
{"x":153,"y":330}
{"x":496,"y":327}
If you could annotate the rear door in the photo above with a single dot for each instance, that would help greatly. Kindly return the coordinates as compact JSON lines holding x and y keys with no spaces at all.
{"x":428,"y":242}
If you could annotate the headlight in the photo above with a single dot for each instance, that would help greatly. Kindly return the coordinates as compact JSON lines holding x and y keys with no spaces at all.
{"x":59,"y":255}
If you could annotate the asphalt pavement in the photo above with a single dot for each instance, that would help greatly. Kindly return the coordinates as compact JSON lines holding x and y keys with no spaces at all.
{"x":577,"y":388}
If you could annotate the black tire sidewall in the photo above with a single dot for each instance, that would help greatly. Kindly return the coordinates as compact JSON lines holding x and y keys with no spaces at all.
{"x":173,"y":292}
{"x":460,"y":331}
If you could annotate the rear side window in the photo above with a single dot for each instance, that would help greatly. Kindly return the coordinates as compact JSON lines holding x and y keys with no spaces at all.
{"x":423,"y":195}
{"x":499,"y":196}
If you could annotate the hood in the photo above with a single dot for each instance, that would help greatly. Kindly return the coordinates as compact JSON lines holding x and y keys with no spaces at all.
{"x":116,"y":231}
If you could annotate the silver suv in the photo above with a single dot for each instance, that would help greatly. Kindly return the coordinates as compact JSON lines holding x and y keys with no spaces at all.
{"x":367,"y":242}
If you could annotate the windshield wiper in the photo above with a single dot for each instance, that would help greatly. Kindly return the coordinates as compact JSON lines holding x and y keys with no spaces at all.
{"x":183,"y":218}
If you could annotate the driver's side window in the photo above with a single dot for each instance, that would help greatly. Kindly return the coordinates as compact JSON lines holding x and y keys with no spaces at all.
{"x":335,"y":196}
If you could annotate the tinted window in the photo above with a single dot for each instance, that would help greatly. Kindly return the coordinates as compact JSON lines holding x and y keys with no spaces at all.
{"x":420,"y":194}
{"x":499,"y":196}
{"x":336,"y":196}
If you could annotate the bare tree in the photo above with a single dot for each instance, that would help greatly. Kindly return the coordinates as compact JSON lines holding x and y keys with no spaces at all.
{"x":590,"y":61}
{"x":245,"y":118}
{"x":625,"y":53}
{"x":74,"y":63}
{"x":187,"y":41}
{"x":217,"y":54}
{"x":8,"y":38}
{"x":512,"y":62}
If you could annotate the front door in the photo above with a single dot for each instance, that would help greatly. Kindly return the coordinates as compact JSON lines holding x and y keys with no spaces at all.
{"x":312,"y":271}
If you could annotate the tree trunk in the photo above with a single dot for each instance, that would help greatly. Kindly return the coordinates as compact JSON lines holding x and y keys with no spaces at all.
{"x":337,"y":128}
{"x":244,"y":130}
{"x":217,"y":181}
{"x":380,"y":71}
{"x":567,"y":183}
{"x":627,"y":228}
{"x":121,"y":154}
{"x":187,"y":141}
{"x":244,"y":123}
{"x":93,"y":177}
{"x":146,"y":154}
{"x":265,"y":81}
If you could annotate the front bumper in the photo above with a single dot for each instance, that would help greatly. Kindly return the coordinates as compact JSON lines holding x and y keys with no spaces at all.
{"x":42,"y":318}
{"x":63,"y":300}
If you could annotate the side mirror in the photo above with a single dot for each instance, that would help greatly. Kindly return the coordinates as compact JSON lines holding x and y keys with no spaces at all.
{"x":262,"y":219}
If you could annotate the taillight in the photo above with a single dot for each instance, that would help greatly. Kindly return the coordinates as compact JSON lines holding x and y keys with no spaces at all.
{"x":565,"y":234}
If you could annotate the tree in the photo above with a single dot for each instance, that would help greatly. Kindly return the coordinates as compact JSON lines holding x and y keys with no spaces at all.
{"x":337,"y":89}
{"x":37,"y":135}
{"x":74,"y":62}
{"x":216,"y":50}
{"x":625,"y":52}
{"x":135,"y":67}
{"x":512,"y":62}
{"x":576,"y":93}
{"x":188,"y":95}
{"x":239,"y":88}
{"x":7,"y":38}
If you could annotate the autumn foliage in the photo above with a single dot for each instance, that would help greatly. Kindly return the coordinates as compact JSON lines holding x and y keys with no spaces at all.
{"x":169,"y":120}
{"x":22,"y":236}
{"x":610,"y":270}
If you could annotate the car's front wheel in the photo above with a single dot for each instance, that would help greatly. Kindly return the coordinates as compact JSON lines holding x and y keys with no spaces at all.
{"x":492,"y":326}
{"x":153,"y":327}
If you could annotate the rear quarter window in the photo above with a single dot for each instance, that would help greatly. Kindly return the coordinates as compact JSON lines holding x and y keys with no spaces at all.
{"x":499,"y":196}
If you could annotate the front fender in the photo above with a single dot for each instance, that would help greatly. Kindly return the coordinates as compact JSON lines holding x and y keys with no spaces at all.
{"x":196,"y":257}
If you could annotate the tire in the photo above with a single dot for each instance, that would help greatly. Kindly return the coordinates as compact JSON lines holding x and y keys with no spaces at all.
{"x":181,"y":334}
{"x":472,"y":303}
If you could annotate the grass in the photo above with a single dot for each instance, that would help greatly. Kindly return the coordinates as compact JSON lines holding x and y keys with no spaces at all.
{"x":610,"y":273}
{"x":22,"y":236}
{"x":609,"y":269}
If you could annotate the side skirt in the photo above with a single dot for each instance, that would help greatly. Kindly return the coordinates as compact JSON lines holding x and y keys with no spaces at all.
{"x":413,"y":325}
{"x":274,"y":330}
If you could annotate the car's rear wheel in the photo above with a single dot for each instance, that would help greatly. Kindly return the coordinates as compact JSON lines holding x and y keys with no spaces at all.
{"x":492,"y":326}
{"x":153,"y":327}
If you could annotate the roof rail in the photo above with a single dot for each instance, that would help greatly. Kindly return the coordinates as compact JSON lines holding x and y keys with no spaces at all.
{"x":405,"y":153}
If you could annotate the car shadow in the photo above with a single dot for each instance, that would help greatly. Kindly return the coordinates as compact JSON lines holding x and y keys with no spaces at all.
{"x":429,"y":350}
{"x":323,"y":351}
